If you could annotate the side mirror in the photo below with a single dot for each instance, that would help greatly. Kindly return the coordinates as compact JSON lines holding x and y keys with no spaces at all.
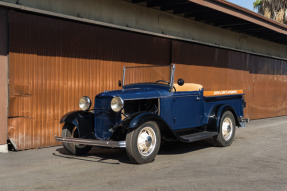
{"x":120,"y":83}
{"x":180,"y":81}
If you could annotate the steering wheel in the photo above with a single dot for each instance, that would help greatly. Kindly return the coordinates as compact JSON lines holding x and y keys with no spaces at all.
{"x":165,"y":82}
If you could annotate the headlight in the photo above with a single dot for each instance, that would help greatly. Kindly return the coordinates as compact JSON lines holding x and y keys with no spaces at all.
{"x":117,"y":104}
{"x":85,"y":103}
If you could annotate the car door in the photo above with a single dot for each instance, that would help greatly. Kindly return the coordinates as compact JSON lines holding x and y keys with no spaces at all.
{"x":188,"y":109}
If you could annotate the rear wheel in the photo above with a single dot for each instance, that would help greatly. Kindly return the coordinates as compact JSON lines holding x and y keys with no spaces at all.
{"x":71,"y":131}
{"x":142,"y":144}
{"x":227,"y":130}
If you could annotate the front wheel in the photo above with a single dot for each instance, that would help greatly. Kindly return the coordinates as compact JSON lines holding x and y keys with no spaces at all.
{"x":71,"y":131}
{"x":227,"y":130}
{"x":142,"y":143}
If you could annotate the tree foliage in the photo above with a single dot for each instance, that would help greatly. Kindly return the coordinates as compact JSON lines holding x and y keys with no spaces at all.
{"x":274,"y":9}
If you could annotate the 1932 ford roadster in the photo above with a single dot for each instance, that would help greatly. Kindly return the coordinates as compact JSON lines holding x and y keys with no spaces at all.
{"x":149,"y":108}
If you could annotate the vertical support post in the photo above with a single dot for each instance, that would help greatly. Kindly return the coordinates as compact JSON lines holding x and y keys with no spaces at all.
{"x":3,"y":80}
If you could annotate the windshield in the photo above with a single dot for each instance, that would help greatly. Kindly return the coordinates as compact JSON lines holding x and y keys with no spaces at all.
{"x":148,"y":74}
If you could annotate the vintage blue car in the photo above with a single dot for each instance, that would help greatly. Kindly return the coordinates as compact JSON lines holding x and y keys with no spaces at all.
{"x":150,"y":108}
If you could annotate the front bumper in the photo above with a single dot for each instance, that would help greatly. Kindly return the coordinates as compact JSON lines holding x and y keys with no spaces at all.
{"x":93,"y":142}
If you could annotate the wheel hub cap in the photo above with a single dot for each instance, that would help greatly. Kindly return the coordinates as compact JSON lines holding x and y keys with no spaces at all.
{"x":146,"y":141}
{"x":227,"y":129}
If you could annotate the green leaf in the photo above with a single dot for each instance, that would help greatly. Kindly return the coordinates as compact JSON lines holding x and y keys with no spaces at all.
{"x":257,"y":4}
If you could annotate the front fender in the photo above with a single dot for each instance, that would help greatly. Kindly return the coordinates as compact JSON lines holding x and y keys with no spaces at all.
{"x":142,"y":118}
{"x":83,"y":120}
{"x":138,"y":119}
{"x":70,"y":116}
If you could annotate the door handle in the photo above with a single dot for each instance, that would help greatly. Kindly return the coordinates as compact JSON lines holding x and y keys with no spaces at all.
{"x":197,"y":98}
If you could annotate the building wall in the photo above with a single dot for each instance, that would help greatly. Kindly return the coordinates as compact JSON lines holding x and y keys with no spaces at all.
{"x":263,"y":80}
{"x":123,"y":13}
{"x":3,"y":78}
{"x":53,"y":62}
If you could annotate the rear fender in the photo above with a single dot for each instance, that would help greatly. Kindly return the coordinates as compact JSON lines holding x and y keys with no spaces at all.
{"x":83,"y":120}
{"x":220,"y":112}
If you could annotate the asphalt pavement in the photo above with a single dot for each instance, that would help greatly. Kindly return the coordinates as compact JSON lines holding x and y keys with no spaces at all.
{"x":257,"y":160}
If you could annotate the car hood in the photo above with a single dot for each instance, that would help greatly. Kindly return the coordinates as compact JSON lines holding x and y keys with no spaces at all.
{"x":138,"y":92}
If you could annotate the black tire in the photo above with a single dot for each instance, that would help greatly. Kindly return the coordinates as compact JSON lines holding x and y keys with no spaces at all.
{"x":226,"y":132}
{"x":151,"y":142}
{"x":69,"y":130}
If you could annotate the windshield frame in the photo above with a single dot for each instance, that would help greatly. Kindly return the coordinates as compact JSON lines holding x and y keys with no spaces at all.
{"x":172,"y":69}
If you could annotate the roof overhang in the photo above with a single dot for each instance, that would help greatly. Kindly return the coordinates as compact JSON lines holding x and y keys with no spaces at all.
{"x":223,"y":14}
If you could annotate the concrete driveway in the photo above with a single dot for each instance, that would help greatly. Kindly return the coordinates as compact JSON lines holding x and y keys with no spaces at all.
{"x":257,"y":160}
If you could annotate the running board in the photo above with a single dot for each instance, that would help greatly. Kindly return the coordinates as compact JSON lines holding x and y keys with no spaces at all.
{"x":198,"y":136}
{"x":92,"y":142}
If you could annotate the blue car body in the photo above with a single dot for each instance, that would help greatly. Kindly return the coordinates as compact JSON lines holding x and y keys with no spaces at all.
{"x":178,"y":110}
{"x":188,"y":114}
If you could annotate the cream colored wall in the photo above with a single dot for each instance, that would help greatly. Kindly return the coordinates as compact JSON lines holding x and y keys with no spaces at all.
{"x":123,"y":13}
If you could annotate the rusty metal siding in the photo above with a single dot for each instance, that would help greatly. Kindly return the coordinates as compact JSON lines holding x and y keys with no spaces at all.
{"x":55,"y":62}
{"x":263,"y":80}
{"x":52,"y":63}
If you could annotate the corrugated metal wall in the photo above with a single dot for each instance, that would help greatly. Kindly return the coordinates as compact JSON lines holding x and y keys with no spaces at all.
{"x":264,"y":80}
{"x":52,"y":63}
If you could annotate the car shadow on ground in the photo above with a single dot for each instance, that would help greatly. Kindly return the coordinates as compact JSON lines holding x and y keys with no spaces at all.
{"x":97,"y":154}
{"x":176,"y":147}
{"x":117,"y":156}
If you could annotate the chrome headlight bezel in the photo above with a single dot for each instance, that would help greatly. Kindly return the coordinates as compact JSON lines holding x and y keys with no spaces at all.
{"x":117,"y":104}
{"x":85,"y":103}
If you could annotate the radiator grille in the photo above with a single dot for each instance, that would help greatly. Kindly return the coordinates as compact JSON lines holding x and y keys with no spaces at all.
{"x":105,"y":118}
